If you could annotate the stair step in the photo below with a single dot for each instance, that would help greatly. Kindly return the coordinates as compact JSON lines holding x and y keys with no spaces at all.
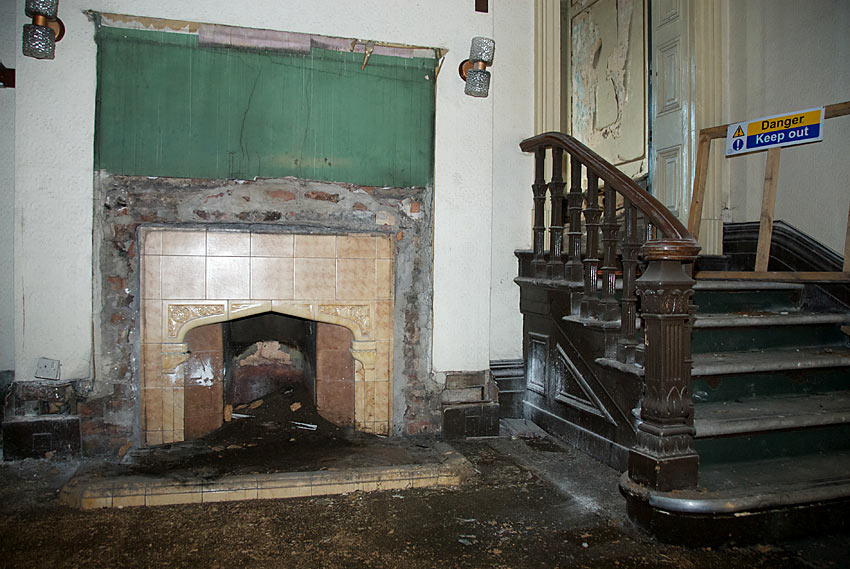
{"x":771,"y":414}
{"x":767,"y":330}
{"x":757,"y":319}
{"x":734,"y":296}
{"x":757,"y":500}
{"x":727,"y":363}
{"x":714,"y":388}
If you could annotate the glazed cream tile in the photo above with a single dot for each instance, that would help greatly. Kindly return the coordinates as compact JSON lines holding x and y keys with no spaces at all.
{"x":228,"y":277}
{"x":383,"y":361}
{"x":151,"y":365}
{"x":167,"y":414}
{"x":153,"y":409}
{"x":356,"y":247}
{"x":385,"y":247}
{"x":151,"y":274}
{"x":384,"y":278}
{"x":383,"y":320}
{"x":271,"y":278}
{"x":228,"y":244}
{"x":178,"y":401}
{"x":173,"y":498}
{"x":151,"y":241}
{"x":183,"y":277}
{"x":153,"y":438}
{"x":355,"y":279}
{"x":271,"y":245}
{"x":382,"y":412}
{"x":322,"y":246}
{"x":315,"y":279}
{"x":184,"y":242}
{"x":152,"y":322}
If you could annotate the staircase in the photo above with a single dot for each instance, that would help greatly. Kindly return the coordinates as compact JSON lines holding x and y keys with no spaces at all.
{"x":726,"y":402}
{"x":771,"y":402}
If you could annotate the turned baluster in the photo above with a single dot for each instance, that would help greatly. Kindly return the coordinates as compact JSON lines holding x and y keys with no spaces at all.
{"x":574,"y":199}
{"x":628,"y":308}
{"x":556,"y":224}
{"x":592,"y":214}
{"x":610,"y":229}
{"x":538,"y":262}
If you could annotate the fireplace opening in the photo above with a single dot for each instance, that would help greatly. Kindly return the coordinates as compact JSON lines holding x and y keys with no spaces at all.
{"x":234,"y":367}
{"x":267,"y":352}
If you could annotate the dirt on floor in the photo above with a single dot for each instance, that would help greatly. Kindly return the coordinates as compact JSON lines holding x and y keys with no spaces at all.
{"x":531,"y":503}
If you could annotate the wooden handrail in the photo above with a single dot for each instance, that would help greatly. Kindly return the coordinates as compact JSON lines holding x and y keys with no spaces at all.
{"x":678,"y":243}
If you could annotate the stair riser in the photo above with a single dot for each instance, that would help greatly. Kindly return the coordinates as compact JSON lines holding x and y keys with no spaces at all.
{"x":766,"y":337}
{"x":730,"y":388}
{"x":511,"y":383}
{"x":715,"y":301}
{"x":773,"y":445}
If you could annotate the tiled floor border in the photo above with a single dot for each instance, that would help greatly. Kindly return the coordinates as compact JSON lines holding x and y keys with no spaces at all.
{"x":124,"y":491}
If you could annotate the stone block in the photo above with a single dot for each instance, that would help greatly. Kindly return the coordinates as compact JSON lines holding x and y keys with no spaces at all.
{"x":471,"y":420}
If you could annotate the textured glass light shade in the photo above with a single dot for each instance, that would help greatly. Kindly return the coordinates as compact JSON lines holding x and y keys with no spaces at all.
{"x":46,"y":8}
{"x":477,"y":83}
{"x":39,"y":42}
{"x":482,"y":49}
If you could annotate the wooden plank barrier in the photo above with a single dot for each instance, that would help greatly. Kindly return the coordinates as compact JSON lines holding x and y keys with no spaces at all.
{"x":771,"y":176}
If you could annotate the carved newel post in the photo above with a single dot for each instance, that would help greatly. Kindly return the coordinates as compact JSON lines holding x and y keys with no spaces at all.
{"x":664,"y":458}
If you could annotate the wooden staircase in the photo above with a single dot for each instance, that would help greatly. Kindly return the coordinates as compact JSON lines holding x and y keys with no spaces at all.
{"x":771,"y":395}
{"x":725,"y":402}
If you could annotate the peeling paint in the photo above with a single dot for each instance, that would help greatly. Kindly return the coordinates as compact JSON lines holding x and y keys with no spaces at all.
{"x":607,"y":87}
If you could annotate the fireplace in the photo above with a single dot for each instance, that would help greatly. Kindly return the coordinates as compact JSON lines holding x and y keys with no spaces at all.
{"x":339,"y":286}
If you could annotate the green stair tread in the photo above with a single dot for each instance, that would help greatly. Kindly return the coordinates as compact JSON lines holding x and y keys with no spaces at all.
{"x":757,"y":319}
{"x":759,"y":415}
{"x":726,"y":363}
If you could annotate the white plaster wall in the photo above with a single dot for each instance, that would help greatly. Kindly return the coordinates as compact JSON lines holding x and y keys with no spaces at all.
{"x":53,"y":164}
{"x":786,"y":55}
{"x":512,"y":90}
{"x":7,"y":191}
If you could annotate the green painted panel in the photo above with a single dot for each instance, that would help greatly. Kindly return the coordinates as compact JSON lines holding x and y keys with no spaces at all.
{"x":168,"y":107}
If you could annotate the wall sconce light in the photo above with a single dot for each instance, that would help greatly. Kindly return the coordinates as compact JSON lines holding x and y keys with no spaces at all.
{"x":46,"y":29}
{"x":474,"y":70}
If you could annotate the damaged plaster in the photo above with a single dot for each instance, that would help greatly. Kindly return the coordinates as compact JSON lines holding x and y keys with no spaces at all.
{"x":607,"y":88}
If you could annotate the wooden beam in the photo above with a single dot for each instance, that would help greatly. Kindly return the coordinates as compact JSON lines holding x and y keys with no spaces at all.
{"x":829,"y":112}
{"x":787,"y":276}
{"x":768,"y":203}
{"x":846,"y":266}
{"x":698,"y":193}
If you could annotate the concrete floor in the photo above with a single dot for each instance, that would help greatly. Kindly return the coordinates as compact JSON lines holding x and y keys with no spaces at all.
{"x":532,"y":502}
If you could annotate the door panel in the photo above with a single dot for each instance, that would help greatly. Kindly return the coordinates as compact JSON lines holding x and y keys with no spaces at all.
{"x":671,"y":120}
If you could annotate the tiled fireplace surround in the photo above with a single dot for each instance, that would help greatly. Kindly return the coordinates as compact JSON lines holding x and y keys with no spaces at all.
{"x":195,"y":277}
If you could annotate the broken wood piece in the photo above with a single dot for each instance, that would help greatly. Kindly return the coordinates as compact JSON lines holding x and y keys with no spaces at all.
{"x":255,"y":404}
{"x":228,"y":413}
{"x":295,"y":406}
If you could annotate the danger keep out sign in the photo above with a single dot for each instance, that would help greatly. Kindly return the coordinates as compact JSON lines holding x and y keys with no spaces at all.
{"x":778,"y":130}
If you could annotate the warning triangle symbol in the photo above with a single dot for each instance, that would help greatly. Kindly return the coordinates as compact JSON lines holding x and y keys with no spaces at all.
{"x":739,"y":132}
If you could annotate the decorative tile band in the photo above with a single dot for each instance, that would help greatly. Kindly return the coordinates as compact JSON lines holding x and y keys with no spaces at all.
{"x":180,"y":314}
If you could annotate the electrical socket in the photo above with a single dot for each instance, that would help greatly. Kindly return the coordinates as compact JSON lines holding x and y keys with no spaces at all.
{"x":47,"y":369}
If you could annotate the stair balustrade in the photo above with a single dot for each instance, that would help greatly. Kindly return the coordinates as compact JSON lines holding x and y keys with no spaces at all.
{"x":663,"y":457}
